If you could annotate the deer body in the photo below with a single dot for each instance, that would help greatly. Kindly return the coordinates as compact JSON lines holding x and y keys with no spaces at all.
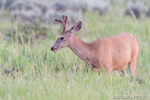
{"x":112,"y":53}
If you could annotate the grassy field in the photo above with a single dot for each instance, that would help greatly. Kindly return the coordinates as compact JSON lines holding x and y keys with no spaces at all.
{"x":44,"y":75}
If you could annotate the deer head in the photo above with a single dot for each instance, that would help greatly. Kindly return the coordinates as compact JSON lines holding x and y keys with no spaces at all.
{"x":65,"y":39}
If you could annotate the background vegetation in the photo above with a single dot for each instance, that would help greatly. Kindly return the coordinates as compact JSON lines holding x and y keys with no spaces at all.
{"x":30,"y":71}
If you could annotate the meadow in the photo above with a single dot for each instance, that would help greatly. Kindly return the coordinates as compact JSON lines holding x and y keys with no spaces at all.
{"x":31,"y":71}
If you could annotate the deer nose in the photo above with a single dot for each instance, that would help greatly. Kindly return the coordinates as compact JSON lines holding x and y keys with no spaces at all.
{"x":52,"y":48}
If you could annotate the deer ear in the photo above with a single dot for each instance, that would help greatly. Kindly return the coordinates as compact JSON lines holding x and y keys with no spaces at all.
{"x":76,"y":27}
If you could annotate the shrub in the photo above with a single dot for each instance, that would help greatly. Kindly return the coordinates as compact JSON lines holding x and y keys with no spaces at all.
{"x":136,"y":9}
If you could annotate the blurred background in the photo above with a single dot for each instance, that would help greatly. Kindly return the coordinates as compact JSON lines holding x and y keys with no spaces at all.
{"x":24,"y":20}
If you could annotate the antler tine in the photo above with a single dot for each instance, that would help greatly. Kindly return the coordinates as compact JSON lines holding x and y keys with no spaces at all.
{"x":65,"y":18}
{"x":63,"y":23}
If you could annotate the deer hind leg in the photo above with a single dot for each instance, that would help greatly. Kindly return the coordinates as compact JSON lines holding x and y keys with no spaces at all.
{"x":132,"y":68}
{"x":121,"y":72}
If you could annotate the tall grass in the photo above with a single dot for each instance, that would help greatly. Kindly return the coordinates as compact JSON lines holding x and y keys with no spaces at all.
{"x":44,"y":75}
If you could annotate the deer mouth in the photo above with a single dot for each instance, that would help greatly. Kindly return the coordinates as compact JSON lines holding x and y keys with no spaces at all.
{"x":55,"y":50}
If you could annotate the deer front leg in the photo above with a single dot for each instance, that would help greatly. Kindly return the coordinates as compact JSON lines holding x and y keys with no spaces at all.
{"x":96,"y":68}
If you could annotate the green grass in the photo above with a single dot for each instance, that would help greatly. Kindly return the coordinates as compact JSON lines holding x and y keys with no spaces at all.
{"x":44,"y":75}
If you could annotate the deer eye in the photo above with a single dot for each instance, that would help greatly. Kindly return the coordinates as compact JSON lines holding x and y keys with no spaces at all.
{"x":62,"y":38}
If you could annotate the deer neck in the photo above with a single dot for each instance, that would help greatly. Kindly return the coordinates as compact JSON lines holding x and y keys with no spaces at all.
{"x":79,"y":47}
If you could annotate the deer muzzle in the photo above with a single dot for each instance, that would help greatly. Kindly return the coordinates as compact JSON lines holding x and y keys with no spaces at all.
{"x":54,"y":49}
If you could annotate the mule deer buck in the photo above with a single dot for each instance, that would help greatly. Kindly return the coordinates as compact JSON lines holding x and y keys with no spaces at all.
{"x":112,"y":53}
